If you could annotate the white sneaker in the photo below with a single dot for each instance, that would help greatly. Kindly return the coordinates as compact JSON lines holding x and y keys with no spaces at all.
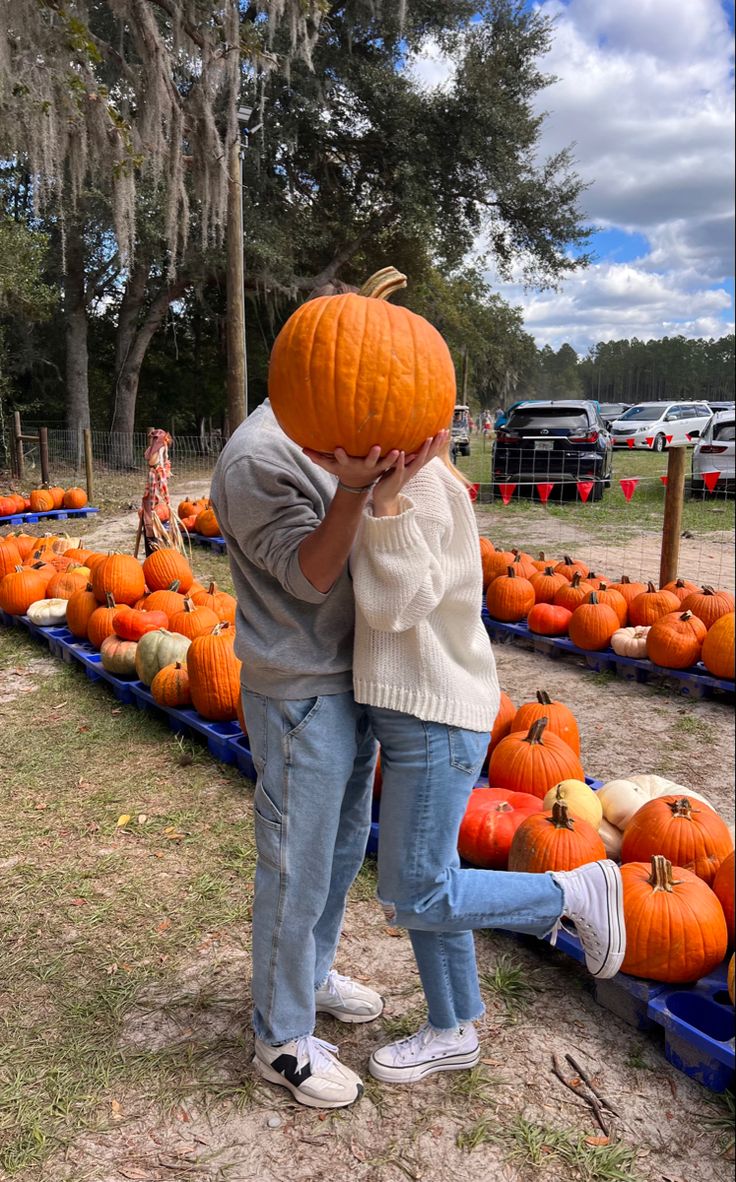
{"x":424,"y":1053}
{"x":594,"y":903}
{"x":347,"y":1000}
{"x":309,"y":1069}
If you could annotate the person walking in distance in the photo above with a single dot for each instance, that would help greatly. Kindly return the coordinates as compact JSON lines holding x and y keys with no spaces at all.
{"x":289,"y":527}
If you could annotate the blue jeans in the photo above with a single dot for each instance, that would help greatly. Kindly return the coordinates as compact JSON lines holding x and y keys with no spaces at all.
{"x":428,"y":773}
{"x":315,"y":761}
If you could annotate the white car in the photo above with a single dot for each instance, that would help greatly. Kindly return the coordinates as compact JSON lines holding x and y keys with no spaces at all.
{"x":715,"y":451}
{"x":654,"y":425}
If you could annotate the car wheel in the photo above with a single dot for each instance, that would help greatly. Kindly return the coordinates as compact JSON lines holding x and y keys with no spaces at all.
{"x":659,"y":443}
{"x":466,"y":450}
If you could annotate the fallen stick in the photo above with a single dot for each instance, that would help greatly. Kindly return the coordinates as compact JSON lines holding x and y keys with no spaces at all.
{"x":587,"y":1080}
{"x":591,"y":1101}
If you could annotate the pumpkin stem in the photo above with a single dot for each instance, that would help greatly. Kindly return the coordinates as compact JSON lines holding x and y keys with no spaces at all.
{"x":511,"y":572}
{"x":536,"y":730}
{"x":661,"y":877}
{"x":109,"y":599}
{"x":174,"y":586}
{"x":593,"y":598}
{"x":212,"y":589}
{"x":652,"y":590}
{"x":682,"y":807}
{"x":543,"y":698}
{"x":708,"y":591}
{"x":189,"y":605}
{"x":686,"y":616}
{"x":561,"y":818}
{"x":541,"y":556}
{"x":383,"y":284}
{"x":549,"y":570}
{"x":576,"y":579}
{"x":624,"y":579}
{"x":567,"y":560}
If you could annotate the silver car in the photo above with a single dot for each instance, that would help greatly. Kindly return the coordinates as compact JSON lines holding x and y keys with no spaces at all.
{"x":715,"y":451}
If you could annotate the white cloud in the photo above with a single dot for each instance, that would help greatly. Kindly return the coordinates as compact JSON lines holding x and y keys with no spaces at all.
{"x":645,"y":93}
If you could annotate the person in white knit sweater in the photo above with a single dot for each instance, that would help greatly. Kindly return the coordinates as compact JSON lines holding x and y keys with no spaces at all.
{"x":423,"y":665}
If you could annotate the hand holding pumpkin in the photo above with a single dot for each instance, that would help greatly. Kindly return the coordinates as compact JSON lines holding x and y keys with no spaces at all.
{"x":386,"y":492}
{"x":354,"y":472}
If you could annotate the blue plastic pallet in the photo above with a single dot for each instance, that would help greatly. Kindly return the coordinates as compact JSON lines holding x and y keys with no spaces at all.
{"x":217,"y":544}
{"x":698,"y":1024}
{"x":695,"y":682}
{"x":52,"y":514}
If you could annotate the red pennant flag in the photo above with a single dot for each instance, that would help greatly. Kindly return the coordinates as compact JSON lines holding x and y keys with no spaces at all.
{"x":664,"y":479}
{"x":649,"y":440}
{"x":507,"y":492}
{"x":630,"y":442}
{"x":668,"y":438}
{"x":688,"y":436}
{"x":544,"y":490}
{"x":628,"y":486}
{"x":585,"y":488}
{"x":473,"y":491}
{"x":710,"y":480}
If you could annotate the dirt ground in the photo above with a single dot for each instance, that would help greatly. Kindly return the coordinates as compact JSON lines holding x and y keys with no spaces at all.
{"x":451,"y":1128}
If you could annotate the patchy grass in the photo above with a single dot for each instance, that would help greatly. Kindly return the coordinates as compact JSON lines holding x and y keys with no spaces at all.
{"x":532,"y":1143}
{"x":720,"y":1122}
{"x":511,"y":983}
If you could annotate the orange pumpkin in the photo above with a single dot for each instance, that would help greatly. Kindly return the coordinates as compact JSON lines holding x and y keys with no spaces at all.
{"x":718,"y":647}
{"x":41,"y":501}
{"x":223,"y":605}
{"x":57,"y":494}
{"x":169,"y":601}
{"x":486,"y":549}
{"x":75,"y":498}
{"x":214,"y":674}
{"x":170,"y":687}
{"x":45,"y":571}
{"x":560,"y":719}
{"x":25,"y":543}
{"x":20,"y":588}
{"x":131,"y":625}
{"x":681,"y":588}
{"x":207,"y":524}
{"x":675,"y":930}
{"x":569,"y":567}
{"x":546,"y":619}
{"x":709,"y":605}
{"x":166,"y":566}
{"x":674,"y":641}
{"x":63,"y":585}
{"x":573,"y":593}
{"x":121,"y":576}
{"x":10,"y":556}
{"x":647,"y":608}
{"x":102,"y":621}
{"x":386,"y":376}
{"x":502,"y":722}
{"x":614,"y":599}
{"x":687,"y":832}
{"x":593,"y":624}
{"x":546,"y":584}
{"x":533,"y":761}
{"x":628,"y":589}
{"x":509,"y":598}
{"x":554,"y":841}
{"x":79,"y":609}
{"x":193,"y":621}
{"x":491,"y":819}
{"x":523,"y":565}
{"x":723,"y":888}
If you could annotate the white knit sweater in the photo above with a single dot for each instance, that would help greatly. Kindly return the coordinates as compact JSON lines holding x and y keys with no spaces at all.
{"x":420,"y":645}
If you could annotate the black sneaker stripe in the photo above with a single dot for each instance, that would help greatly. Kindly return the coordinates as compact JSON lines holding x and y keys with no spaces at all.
{"x":288,"y":1066}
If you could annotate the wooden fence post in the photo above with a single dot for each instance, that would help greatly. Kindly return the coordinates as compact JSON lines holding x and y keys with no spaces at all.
{"x":43,"y":448}
{"x":88,"y":465}
{"x":18,"y":439}
{"x":672,"y":524}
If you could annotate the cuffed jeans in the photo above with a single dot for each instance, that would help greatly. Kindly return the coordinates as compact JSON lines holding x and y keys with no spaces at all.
{"x":429,"y":770}
{"x":315,"y":761}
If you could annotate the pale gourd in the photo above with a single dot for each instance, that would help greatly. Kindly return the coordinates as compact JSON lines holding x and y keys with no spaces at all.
{"x":630,"y":642}
{"x":47,"y":613}
{"x":582,"y":802}
{"x":611,"y":838}
{"x":621,"y":798}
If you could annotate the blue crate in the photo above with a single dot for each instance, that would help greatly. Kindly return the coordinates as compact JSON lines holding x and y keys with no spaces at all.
{"x":698,"y":1024}
{"x":217,"y":544}
{"x":243,"y":757}
{"x":51,"y":515}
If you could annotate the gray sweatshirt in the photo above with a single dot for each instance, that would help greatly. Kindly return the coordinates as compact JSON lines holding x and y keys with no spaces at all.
{"x":294,"y":641}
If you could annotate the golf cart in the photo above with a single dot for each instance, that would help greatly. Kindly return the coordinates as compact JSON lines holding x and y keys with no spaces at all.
{"x":460,"y":431}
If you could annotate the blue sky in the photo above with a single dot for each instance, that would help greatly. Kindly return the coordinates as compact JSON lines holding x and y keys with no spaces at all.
{"x":644,"y":92}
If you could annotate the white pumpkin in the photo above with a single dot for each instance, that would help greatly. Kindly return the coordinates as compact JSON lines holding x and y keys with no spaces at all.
{"x":581,"y":800}
{"x":611,"y":838}
{"x":47,"y":613}
{"x":657,"y":785}
{"x":630,"y":642}
{"x":622,"y":798}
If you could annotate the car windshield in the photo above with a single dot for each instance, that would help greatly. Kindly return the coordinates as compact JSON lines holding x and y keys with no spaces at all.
{"x":725,"y":431}
{"x":613,"y":408}
{"x":644,"y":414}
{"x":563,"y":418}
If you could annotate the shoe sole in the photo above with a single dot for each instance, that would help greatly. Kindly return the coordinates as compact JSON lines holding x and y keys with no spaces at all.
{"x":274,"y":1077}
{"x":349,"y":1018}
{"x":617,"y":928}
{"x":419,"y":1071}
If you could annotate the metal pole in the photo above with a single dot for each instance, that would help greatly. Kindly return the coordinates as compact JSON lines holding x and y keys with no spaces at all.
{"x":672,"y":524}
{"x":88,"y":465}
{"x":43,"y":448}
{"x":18,"y":432}
{"x":242,"y":253}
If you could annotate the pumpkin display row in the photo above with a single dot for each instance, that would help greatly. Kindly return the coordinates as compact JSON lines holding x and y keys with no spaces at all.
{"x":198,"y":517}
{"x":674,"y":626}
{"x":42,"y":500}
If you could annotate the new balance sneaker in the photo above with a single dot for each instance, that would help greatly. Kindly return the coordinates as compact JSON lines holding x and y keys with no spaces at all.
{"x":594,"y":903}
{"x":424,"y":1053}
{"x":309,"y":1068}
{"x":347,"y":1000}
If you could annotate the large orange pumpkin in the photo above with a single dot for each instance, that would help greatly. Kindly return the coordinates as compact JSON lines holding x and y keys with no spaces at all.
{"x":101,"y":622}
{"x":718,"y":647}
{"x":570,"y":566}
{"x":207,"y":524}
{"x":546,"y":584}
{"x":119,"y":575}
{"x":75,"y":498}
{"x":593,"y":624}
{"x":509,"y":597}
{"x":723,"y":887}
{"x":20,"y":588}
{"x":681,"y":588}
{"x":41,"y":501}
{"x":554,"y":841}
{"x":573,"y":593}
{"x":193,"y":620}
{"x":709,"y":605}
{"x":675,"y":930}
{"x":560,"y":719}
{"x":166,"y":566}
{"x":608,"y":594}
{"x":502,"y":724}
{"x":57,"y":492}
{"x":533,"y":761}
{"x":220,"y":602}
{"x":10,"y":556}
{"x":628,"y":589}
{"x":687,"y":832}
{"x":486,"y":549}
{"x":674,"y":641}
{"x":647,"y":608}
{"x":79,"y":609}
{"x":214,"y":674}
{"x":354,"y":371}
{"x":491,"y":819}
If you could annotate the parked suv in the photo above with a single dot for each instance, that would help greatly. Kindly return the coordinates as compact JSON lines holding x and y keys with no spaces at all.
{"x":715,"y":451}
{"x":558,"y":442}
{"x":654,"y":425}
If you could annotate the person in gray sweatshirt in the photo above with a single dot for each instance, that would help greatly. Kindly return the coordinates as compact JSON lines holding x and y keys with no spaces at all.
{"x":289,"y":527}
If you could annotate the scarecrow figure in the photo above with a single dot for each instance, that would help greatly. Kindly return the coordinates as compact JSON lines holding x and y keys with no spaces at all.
{"x":155,"y":505}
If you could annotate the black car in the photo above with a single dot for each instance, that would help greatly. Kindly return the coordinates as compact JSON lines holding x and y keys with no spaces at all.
{"x":610,"y":411}
{"x":559,"y":443}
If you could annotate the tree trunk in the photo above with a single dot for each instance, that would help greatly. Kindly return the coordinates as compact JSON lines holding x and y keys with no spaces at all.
{"x":237,"y":374}
{"x":75,"y":327}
